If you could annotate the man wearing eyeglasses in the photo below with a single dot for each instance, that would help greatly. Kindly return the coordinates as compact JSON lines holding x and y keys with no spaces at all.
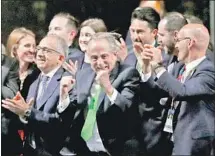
{"x":190,"y":91}
{"x":39,"y":112}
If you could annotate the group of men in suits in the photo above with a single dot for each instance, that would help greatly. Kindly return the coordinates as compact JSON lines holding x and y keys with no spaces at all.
{"x":146,"y":105}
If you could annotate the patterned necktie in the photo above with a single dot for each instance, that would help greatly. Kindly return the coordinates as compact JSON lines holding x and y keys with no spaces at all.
{"x":87,"y":130}
{"x":44,"y":80}
{"x":180,"y":75}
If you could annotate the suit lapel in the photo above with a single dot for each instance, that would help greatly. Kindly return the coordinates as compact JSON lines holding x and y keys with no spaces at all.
{"x":51,"y":88}
{"x":86,"y":79}
{"x":33,"y":90}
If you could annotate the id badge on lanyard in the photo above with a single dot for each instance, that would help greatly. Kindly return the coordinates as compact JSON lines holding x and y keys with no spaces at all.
{"x":169,"y":121}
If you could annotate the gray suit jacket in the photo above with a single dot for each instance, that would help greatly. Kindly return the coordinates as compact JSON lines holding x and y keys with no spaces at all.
{"x":195,"y":115}
{"x":112,"y":120}
{"x":44,"y":124}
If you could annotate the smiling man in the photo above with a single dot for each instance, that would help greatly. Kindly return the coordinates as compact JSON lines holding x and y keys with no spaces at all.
{"x":39,"y":113}
{"x":102,"y":100}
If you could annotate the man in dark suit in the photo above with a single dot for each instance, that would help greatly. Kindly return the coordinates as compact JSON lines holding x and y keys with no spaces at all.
{"x":191,"y":115}
{"x":11,"y":141}
{"x":112,"y":86}
{"x":43,"y":124}
{"x":143,"y":30}
{"x":66,"y":26}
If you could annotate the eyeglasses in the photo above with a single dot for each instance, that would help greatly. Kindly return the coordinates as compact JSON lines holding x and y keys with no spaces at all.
{"x":46,"y":50}
{"x":181,"y":39}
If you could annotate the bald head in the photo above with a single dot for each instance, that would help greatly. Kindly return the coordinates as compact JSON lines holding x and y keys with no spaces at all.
{"x":199,"y":33}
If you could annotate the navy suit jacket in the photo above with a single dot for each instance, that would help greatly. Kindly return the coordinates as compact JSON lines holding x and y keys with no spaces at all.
{"x":76,"y":55}
{"x":149,"y":131}
{"x":194,"y":120}
{"x":44,"y":124}
{"x":112,"y":120}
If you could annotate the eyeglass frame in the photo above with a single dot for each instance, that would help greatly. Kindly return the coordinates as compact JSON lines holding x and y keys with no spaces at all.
{"x":46,"y":50}
{"x":181,"y":39}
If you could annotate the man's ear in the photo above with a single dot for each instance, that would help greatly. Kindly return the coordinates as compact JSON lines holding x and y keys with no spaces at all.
{"x":155,"y":32}
{"x":61,"y":58}
{"x":175,"y":34}
{"x":72,"y":35}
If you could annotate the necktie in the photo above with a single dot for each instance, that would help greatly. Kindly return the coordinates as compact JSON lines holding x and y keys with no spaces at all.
{"x":87,"y":130}
{"x":44,"y":80}
{"x":180,"y":75}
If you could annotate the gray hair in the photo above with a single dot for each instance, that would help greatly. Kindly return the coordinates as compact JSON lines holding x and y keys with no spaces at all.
{"x":61,"y":45}
{"x":111,"y":38}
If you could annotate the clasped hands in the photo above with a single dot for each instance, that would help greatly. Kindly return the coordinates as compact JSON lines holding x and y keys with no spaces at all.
{"x":149,"y":55}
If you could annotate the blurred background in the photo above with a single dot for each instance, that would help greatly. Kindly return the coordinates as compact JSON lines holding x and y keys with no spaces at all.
{"x":36,"y":14}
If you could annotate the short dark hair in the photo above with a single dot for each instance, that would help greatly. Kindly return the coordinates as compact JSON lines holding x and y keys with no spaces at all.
{"x":175,"y":21}
{"x":147,"y":14}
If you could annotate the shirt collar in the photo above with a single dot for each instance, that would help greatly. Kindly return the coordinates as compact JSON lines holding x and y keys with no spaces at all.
{"x":51,"y":73}
{"x":190,"y":66}
{"x":86,"y":58}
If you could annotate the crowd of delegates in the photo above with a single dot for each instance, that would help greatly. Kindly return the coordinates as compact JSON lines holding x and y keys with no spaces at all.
{"x":104,"y":99}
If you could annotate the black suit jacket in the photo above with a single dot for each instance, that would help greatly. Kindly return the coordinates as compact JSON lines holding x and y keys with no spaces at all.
{"x":149,"y":131}
{"x":112,"y":120}
{"x":11,"y":142}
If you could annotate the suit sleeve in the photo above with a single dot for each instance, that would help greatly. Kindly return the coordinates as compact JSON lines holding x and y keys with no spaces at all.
{"x":10,"y":86}
{"x":200,"y":85}
{"x":127,"y":90}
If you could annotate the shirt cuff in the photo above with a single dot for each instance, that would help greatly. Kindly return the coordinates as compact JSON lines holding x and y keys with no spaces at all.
{"x":63,"y":104}
{"x":112,"y":98}
{"x":23,"y":119}
{"x":145,"y":77}
{"x":160,"y":73}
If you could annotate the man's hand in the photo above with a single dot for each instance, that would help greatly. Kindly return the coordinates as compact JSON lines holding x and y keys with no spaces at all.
{"x":66,"y":84}
{"x":103,"y":78}
{"x":123,"y":51}
{"x":17,"y":105}
{"x":71,"y":67}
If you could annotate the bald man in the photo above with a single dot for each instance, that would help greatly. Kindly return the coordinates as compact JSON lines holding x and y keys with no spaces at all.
{"x":190,"y":91}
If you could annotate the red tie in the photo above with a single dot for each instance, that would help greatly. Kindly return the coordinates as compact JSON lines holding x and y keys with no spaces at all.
{"x":180,"y":76}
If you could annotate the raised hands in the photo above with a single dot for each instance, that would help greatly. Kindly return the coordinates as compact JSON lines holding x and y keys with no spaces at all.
{"x":17,"y":105}
{"x":123,"y":51}
{"x":66,"y":84}
{"x":103,"y":78}
{"x":71,"y":67}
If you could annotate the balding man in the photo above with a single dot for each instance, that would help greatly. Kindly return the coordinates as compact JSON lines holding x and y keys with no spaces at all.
{"x":191,"y":92}
{"x":40,"y":115}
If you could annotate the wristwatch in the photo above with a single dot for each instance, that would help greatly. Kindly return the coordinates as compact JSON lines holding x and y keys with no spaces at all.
{"x":27,"y":114}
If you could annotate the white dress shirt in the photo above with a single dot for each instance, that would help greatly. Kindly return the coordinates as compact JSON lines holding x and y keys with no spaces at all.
{"x":95,"y":142}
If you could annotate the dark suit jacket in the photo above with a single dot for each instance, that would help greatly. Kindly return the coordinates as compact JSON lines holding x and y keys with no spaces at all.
{"x":112,"y":120}
{"x":44,"y":124}
{"x":151,"y":116}
{"x":76,"y":55}
{"x":11,"y":142}
{"x":195,"y":115}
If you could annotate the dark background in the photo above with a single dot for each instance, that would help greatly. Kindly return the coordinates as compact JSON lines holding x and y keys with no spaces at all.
{"x":36,"y":14}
